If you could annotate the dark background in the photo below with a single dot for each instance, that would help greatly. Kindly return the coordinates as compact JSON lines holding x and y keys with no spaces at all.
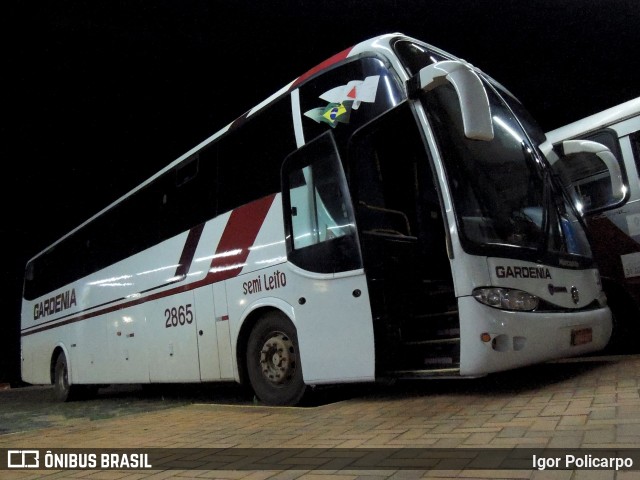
{"x":99,"y":95}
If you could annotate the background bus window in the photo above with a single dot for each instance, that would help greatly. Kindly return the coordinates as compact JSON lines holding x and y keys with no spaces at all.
{"x":587,"y":176}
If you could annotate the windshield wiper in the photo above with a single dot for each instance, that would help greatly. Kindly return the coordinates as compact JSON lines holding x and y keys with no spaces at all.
{"x":546,"y":212}
{"x":536,"y":168}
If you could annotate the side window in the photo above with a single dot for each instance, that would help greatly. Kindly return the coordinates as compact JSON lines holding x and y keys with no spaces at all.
{"x":635,"y":148}
{"x":608,"y":138}
{"x":379,"y":167}
{"x":250,"y":156}
{"x":188,"y":193}
{"x":396,"y":193}
{"x":317,"y":212}
{"x":321,"y":232}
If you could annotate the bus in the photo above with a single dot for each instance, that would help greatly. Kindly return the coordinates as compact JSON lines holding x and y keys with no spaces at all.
{"x":386,"y":215}
{"x":611,"y":205}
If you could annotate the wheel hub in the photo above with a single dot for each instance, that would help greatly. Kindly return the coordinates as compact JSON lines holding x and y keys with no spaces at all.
{"x":277,"y":358}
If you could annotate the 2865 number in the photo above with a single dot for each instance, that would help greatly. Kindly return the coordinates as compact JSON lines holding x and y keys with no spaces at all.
{"x":175,"y":316}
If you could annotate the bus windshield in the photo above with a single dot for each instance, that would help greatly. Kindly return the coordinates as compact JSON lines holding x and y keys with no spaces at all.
{"x":505,"y":200}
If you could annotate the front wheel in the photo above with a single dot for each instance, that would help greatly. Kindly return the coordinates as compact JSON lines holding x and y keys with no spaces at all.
{"x":273,"y":361}
{"x":625,"y":324}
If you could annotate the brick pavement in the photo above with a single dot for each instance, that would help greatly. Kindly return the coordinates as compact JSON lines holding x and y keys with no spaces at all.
{"x":586,"y":405}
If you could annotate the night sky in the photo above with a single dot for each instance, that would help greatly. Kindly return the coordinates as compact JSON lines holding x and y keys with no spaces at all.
{"x":99,"y":95}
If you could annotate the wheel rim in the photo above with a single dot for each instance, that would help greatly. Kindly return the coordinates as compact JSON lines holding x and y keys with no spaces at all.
{"x":63,"y":380}
{"x":278,"y":359}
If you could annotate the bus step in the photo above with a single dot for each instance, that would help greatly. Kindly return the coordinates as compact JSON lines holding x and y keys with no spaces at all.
{"x":436,"y":341}
{"x":438,"y":283}
{"x":441,"y":293}
{"x":434,"y":336}
{"x":435,"y":287}
{"x":432,"y":327}
{"x":453,"y":372}
{"x":437,"y":315}
{"x":439,"y":301}
{"x":428,"y":352}
{"x":449,"y":332}
{"x":439,"y":361}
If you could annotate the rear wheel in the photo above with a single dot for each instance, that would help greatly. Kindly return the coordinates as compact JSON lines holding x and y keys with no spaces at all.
{"x":62,"y":389}
{"x":273,"y":361}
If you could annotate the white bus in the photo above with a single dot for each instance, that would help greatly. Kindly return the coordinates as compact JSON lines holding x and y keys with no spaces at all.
{"x":611,"y":204}
{"x":385,"y":215}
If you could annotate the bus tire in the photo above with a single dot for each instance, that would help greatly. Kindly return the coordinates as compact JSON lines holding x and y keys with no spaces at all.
{"x":63,"y":391}
{"x":625,"y":326}
{"x":273,"y":361}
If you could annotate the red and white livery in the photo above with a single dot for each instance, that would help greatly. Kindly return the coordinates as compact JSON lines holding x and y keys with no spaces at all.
{"x":387,"y":214}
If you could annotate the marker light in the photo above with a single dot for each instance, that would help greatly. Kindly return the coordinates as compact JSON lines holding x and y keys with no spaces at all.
{"x":506,"y":298}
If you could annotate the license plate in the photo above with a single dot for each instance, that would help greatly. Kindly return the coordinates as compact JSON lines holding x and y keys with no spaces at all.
{"x":581,"y":336}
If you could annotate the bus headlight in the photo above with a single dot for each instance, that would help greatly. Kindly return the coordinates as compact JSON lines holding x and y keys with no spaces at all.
{"x":506,"y":298}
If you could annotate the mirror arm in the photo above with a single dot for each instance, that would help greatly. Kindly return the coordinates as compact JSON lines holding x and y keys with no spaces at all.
{"x":608,"y":158}
{"x":547,"y":150}
{"x":474,"y":102}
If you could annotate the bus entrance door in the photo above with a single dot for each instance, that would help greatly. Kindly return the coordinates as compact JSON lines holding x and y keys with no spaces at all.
{"x":404,"y":249}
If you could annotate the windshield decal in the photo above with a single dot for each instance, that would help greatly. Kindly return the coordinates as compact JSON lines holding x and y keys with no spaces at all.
{"x":343,"y":99}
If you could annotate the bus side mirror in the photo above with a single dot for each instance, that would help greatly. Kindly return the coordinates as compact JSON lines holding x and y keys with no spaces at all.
{"x":474,"y":102}
{"x":591,"y":171}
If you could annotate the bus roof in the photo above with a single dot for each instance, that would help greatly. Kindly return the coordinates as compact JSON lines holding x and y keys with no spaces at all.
{"x":596,"y":121}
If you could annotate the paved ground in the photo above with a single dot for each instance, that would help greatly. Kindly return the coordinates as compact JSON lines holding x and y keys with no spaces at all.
{"x":591,"y":404}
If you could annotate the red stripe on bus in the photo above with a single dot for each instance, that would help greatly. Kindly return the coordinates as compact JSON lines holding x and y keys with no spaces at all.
{"x":326,"y":64}
{"x":238,"y":236}
{"x":189,"y":250}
